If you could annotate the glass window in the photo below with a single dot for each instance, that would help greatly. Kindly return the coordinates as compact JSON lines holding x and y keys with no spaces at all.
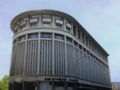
{"x":16,"y":27}
{"x":58,"y":18}
{"x":74,"y":30}
{"x":46,"y":35}
{"x":32,"y":35}
{"x":14,"y":41}
{"x":46,"y":16}
{"x":87,"y":52}
{"x":68,"y":29}
{"x":79,"y":34}
{"x":58,"y":36}
{"x":91,"y":54}
{"x":58,"y":26}
{"x":59,"y":22}
{"x":46,"y":24}
{"x":84,"y":50}
{"x":33,"y":22}
{"x":21,"y":38}
{"x":83,"y":37}
{"x":23,"y":24}
{"x":75,"y":43}
{"x":87,"y":41}
{"x":80,"y":46}
{"x":68,"y":39}
{"x":35,"y":16}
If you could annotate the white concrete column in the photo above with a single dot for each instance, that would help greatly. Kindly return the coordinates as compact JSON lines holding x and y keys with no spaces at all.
{"x":25,"y":56}
{"x":38,"y":61}
{"x":53,"y":62}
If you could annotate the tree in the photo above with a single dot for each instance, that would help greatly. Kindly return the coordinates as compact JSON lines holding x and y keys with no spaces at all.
{"x":0,"y":85}
{"x":4,"y":83}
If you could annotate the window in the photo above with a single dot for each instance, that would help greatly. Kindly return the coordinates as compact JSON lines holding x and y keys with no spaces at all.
{"x":87,"y":41}
{"x":33,"y":22}
{"x":58,"y":18}
{"x":79,"y":34}
{"x":88,"y":52}
{"x":74,"y":30}
{"x":59,"y":22}
{"x":58,"y":36}
{"x":46,"y":18}
{"x":33,"y":35}
{"x":68,"y":29}
{"x":91,"y":54}
{"x":46,"y":35}
{"x":23,"y":24}
{"x":84,"y":50}
{"x":80,"y":47}
{"x":14,"y":41}
{"x":16,"y":28}
{"x":45,"y":24}
{"x":68,"y":26}
{"x":75,"y":43}
{"x":58,"y":26}
{"x":21,"y":38}
{"x":83,"y":37}
{"x":94,"y":56}
{"x":35,"y":16}
{"x":68,"y":39}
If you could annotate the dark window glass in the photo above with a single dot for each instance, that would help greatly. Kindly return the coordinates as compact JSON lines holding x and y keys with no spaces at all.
{"x":46,"y":35}
{"x":68,"y":29}
{"x":58,"y":26}
{"x":83,"y":37}
{"x":58,"y":18}
{"x":74,"y":30}
{"x":84,"y":50}
{"x":21,"y":38}
{"x":33,"y":35}
{"x":91,"y":54}
{"x":58,"y":36}
{"x":88,"y":52}
{"x":75,"y":43}
{"x":15,"y":41}
{"x":80,"y":47}
{"x":79,"y":34}
{"x":68,"y":39}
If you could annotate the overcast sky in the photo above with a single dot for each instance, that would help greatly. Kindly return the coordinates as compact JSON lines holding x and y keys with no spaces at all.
{"x":101,"y":18}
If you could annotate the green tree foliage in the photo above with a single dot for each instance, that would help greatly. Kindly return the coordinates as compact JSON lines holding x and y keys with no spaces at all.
{"x":0,"y":85}
{"x":4,"y":83}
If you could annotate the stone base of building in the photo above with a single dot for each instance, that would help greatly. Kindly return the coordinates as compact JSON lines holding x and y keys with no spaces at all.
{"x":52,"y":86}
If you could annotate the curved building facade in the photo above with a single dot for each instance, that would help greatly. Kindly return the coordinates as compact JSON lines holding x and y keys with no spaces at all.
{"x":52,"y":51}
